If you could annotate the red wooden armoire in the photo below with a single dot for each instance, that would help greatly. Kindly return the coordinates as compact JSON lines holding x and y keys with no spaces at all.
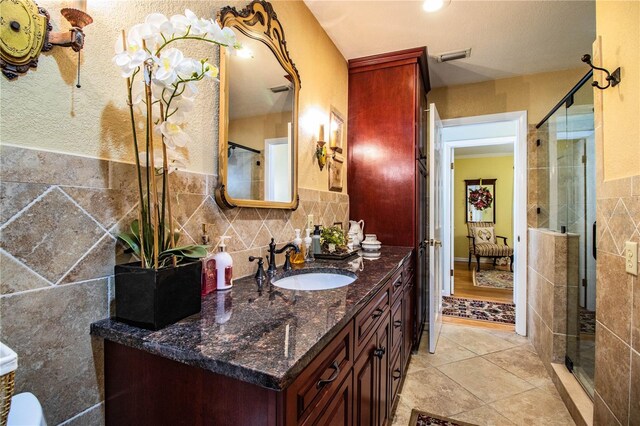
{"x":387,"y":160}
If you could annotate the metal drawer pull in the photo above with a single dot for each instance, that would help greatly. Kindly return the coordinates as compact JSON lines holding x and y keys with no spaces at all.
{"x":397,"y":374}
{"x":379,"y":352}
{"x":377,"y":313}
{"x":398,"y":283}
{"x":334,"y":376}
{"x":397,"y":323}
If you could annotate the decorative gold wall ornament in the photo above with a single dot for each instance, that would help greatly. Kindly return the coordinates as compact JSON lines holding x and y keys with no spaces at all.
{"x":25,"y":31}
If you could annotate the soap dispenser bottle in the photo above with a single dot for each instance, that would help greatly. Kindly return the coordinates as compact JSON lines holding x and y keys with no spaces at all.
{"x":307,"y":245}
{"x":208,"y":284}
{"x":298,"y":257}
{"x":224,"y":266}
{"x":317,"y":248}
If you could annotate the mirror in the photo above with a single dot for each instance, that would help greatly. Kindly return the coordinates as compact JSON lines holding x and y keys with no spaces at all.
{"x":259,"y":86}
{"x":480,"y":200}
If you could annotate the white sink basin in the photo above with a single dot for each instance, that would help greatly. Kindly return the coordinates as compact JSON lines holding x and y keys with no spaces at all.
{"x":314,"y":281}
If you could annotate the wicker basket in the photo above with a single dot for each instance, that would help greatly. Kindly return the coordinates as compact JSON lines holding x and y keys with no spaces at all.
{"x":7,"y":385}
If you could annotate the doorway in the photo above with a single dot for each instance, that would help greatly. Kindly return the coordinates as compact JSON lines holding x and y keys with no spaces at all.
{"x":492,"y":137}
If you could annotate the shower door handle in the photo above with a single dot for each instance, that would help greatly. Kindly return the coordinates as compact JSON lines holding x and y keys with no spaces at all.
{"x":594,"y":250}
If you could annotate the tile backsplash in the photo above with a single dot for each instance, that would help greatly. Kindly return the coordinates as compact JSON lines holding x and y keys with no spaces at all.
{"x":60,"y":214}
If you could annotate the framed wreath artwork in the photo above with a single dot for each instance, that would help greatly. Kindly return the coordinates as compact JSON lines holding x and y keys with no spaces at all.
{"x":480,"y":200}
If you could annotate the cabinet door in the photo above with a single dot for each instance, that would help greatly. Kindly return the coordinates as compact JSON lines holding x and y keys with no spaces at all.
{"x":409,"y":315}
{"x":364,"y":385}
{"x":382,"y":354}
{"x":339,"y":410}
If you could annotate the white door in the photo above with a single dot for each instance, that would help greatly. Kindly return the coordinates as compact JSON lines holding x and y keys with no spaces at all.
{"x":436,"y":272}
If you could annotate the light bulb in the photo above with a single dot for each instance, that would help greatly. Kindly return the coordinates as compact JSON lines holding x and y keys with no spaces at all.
{"x":432,"y":5}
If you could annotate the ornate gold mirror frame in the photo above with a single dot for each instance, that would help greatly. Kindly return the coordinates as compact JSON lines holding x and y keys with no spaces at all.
{"x":258,"y":21}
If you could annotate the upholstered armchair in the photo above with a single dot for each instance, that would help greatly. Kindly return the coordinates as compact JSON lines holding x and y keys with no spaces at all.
{"x":483,"y":243}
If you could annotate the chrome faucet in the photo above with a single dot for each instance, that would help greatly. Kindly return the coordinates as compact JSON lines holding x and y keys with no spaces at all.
{"x":272,"y":256}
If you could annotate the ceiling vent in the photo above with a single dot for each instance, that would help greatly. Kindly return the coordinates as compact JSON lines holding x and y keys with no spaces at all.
{"x":452,"y":56}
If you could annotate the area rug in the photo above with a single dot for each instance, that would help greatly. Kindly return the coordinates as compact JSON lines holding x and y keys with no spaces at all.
{"x":493,"y":278}
{"x":421,"y":418}
{"x":587,"y":321}
{"x":481,"y":310}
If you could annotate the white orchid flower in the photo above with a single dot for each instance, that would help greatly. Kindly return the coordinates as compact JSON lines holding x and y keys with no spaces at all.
{"x":195,"y":23}
{"x":168,"y":64}
{"x":180,"y":24}
{"x":210,"y":70}
{"x":159,"y":24}
{"x":189,"y":68}
{"x":173,"y":134}
{"x":213,"y":31}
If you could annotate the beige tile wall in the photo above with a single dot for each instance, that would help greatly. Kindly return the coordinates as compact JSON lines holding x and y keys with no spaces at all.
{"x":617,"y":376}
{"x":538,"y":178}
{"x":550,"y":278}
{"x":59,"y":217}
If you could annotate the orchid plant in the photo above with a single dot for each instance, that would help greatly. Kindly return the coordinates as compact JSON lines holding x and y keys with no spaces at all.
{"x":162,"y":85}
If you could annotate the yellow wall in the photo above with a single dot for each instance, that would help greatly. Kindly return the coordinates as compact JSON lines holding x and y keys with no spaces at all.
{"x":44,"y":109}
{"x":618,"y":26}
{"x":252,"y":131}
{"x":500,"y":168}
{"x":535,"y":93}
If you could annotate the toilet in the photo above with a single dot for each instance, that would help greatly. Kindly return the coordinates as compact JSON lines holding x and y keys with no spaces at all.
{"x":26,"y":411}
{"x":25,"y":408}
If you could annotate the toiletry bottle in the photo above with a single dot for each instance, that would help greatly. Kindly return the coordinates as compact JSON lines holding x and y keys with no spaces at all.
{"x":208,"y":266}
{"x":307,"y":246}
{"x":298,"y":257}
{"x":224,"y":266}
{"x":317,"y":248}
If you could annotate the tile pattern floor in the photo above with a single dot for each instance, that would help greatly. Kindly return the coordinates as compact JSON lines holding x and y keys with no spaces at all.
{"x":481,"y":376}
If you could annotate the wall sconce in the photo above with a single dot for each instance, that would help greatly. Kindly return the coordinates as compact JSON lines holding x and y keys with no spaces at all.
{"x":321,"y":149}
{"x":28,"y":32}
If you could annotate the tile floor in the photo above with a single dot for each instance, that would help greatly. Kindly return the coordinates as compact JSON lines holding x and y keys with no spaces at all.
{"x":484,"y":377}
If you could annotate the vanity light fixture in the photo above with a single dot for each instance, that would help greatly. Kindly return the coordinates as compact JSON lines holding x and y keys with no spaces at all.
{"x":430,"y":6}
{"x":321,"y":149}
{"x":27,"y":31}
{"x":452,"y":56}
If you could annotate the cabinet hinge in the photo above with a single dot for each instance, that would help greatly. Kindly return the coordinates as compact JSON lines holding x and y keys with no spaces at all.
{"x":452,"y":272}
{"x":451,"y":166}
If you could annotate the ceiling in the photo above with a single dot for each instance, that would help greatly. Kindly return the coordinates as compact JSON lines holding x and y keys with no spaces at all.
{"x":507,"y":38}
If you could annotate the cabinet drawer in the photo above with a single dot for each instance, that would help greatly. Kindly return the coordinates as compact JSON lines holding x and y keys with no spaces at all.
{"x":395,"y":376}
{"x":396,"y":284}
{"x":371,"y":316}
{"x":319,"y":382}
{"x":397,"y":325}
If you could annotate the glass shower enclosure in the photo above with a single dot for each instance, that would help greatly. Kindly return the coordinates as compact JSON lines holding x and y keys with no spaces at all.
{"x":568,"y":179}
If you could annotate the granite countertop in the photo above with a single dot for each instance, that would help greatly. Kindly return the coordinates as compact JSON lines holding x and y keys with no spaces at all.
{"x":262,"y":336}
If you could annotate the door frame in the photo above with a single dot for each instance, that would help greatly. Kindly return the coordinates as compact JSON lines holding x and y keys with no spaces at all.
{"x":519,"y":203}
{"x":448,"y":198}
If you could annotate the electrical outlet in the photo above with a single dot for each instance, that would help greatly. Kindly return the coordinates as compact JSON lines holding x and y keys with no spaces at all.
{"x":631,"y":257}
{"x":310,"y":221}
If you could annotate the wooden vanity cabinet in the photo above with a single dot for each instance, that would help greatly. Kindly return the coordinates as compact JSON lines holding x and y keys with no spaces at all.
{"x":354,"y":380}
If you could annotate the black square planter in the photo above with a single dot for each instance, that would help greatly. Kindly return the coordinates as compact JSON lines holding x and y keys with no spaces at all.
{"x":153,"y":299}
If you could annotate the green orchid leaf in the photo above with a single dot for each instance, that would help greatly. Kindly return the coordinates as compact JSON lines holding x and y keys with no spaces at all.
{"x":192,"y":251}
{"x":135,"y":227}
{"x":132,"y":241}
